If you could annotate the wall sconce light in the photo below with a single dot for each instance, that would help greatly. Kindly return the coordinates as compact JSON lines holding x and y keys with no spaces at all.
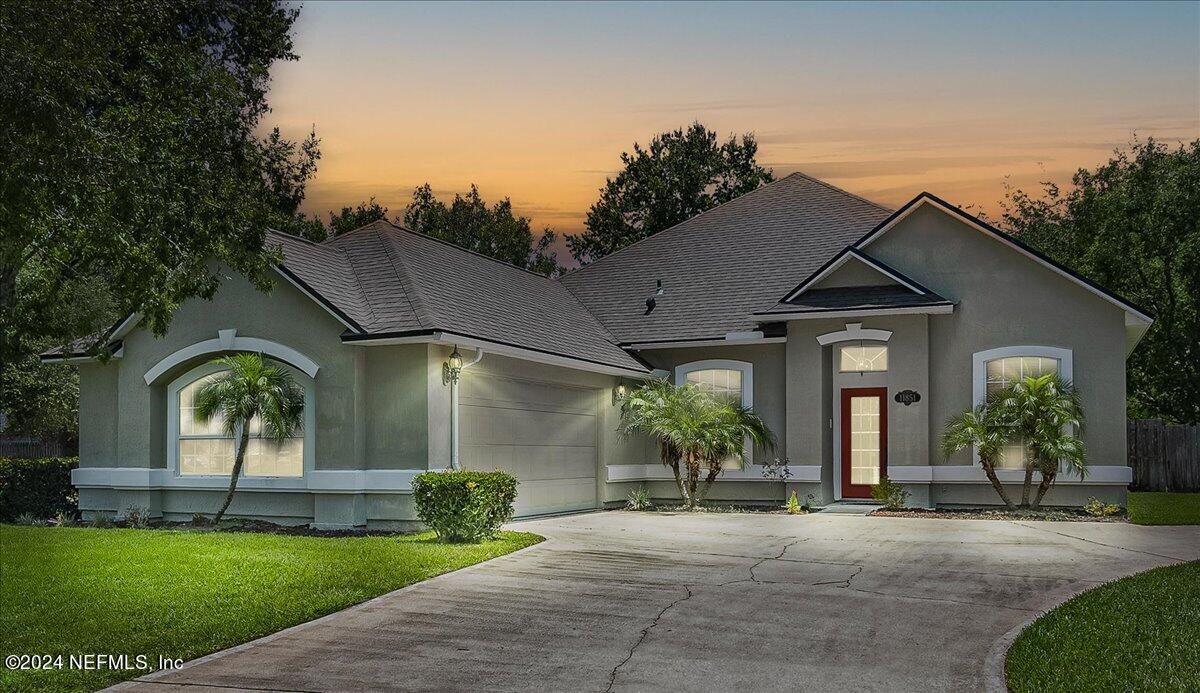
{"x":619,"y":393}
{"x":452,"y":367}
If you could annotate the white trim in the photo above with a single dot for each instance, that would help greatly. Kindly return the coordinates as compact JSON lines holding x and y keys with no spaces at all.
{"x":314,"y":298}
{"x":945,"y":209}
{"x":175,"y":480}
{"x":451,"y":338}
{"x":854,"y":332}
{"x":938,"y":309}
{"x":227,"y":340}
{"x":74,"y":360}
{"x":727,"y":341}
{"x":317,"y":481}
{"x":973,"y":474}
{"x":657,"y":472}
{"x":980,"y":358}
{"x":845,"y":256}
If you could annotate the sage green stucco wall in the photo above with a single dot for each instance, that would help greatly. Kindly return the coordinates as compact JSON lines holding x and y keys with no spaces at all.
{"x":99,"y":413}
{"x":1006,"y":299}
{"x":854,"y":273}
{"x":813,"y":387}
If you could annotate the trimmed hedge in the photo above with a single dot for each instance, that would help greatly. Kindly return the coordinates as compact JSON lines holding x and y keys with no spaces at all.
{"x":464,"y":506}
{"x":39,"y":486}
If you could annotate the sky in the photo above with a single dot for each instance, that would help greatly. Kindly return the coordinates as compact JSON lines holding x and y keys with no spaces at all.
{"x":536,"y":102}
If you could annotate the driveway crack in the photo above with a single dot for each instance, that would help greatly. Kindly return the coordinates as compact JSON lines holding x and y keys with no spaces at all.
{"x":843,"y":584}
{"x":1099,"y":543}
{"x":612,"y":676}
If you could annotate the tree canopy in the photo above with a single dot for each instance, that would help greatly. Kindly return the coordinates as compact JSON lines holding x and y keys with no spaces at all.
{"x":681,"y":174}
{"x":1133,"y":225}
{"x":348,"y":219}
{"x":470,"y":223}
{"x":132,"y":154}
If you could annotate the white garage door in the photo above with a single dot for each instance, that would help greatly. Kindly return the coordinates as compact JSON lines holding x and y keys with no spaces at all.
{"x":544,"y":434}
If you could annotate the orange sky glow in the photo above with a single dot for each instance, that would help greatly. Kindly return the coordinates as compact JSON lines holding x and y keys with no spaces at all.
{"x":536,"y":102}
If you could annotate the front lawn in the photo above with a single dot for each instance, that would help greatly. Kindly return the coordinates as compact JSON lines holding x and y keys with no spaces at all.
{"x":1164,"y":508}
{"x":1140,"y":633}
{"x":183,"y":594}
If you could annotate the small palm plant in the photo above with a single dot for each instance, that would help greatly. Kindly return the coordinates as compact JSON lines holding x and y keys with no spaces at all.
{"x":1046,"y":414}
{"x":984,"y":429}
{"x":250,"y":388}
{"x":695,"y":431}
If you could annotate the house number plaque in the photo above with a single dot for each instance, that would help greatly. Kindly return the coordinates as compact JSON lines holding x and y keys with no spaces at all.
{"x":907,"y":397}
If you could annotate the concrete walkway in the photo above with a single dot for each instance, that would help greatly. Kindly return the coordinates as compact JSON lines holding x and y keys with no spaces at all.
{"x":620,"y":601}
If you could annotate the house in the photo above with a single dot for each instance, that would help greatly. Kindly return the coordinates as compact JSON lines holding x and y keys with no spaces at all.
{"x":854,"y":330}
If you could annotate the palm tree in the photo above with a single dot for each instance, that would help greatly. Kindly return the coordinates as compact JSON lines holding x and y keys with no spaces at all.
{"x":1046,"y":415}
{"x":983,"y":429}
{"x":250,"y":388}
{"x":694,"y":430}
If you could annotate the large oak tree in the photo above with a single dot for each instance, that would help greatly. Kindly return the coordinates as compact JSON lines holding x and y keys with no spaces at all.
{"x":132,"y":152}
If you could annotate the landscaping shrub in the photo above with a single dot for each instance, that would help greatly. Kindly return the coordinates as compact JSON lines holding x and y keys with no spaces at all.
{"x":889,"y":493}
{"x":794,"y":507}
{"x":40,"y":487}
{"x":464,"y":506}
{"x":639,"y":499}
{"x":1098,"y":508}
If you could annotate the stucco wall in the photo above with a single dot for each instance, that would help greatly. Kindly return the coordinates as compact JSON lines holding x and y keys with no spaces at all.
{"x":1005,"y":299}
{"x":854,"y":273}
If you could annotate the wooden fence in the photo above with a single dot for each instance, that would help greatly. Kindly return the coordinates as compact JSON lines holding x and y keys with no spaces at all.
{"x":1163,"y":457}
{"x":38,"y":447}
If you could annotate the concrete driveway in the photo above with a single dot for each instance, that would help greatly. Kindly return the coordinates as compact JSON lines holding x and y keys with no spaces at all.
{"x":620,"y":601}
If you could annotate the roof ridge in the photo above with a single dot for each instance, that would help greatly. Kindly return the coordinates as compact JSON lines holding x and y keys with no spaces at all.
{"x":400,"y":269}
{"x":456,"y":246}
{"x":835,"y":188}
{"x":743,"y":196}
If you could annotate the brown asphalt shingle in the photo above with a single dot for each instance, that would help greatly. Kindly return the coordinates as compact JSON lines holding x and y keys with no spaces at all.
{"x":721,"y":266}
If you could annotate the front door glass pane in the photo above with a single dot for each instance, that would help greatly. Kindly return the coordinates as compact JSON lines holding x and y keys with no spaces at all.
{"x":864,"y":440}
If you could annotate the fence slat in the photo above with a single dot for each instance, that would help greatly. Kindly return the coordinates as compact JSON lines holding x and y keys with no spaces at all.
{"x":1163,"y":457}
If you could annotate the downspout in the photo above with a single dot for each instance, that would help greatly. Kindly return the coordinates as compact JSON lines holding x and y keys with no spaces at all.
{"x":454,"y":463}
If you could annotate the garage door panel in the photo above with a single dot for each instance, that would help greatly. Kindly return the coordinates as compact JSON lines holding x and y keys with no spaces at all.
{"x":544,"y":434}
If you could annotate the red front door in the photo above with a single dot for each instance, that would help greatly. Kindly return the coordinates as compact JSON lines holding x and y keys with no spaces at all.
{"x":864,"y":439}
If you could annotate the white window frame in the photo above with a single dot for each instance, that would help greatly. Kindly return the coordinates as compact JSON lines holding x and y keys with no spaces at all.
{"x":250,"y":482}
{"x":980,"y":359}
{"x":747,"y":370}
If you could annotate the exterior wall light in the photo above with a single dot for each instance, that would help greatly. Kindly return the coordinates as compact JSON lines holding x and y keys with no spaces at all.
{"x":452,"y":368}
{"x":619,"y":393}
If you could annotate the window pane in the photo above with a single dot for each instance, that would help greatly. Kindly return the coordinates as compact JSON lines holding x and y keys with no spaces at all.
{"x":188,"y":425}
{"x":865,"y":441}
{"x":1003,"y":372}
{"x":723,"y":383}
{"x":206,"y":456}
{"x":859,"y":358}
{"x":267,"y":457}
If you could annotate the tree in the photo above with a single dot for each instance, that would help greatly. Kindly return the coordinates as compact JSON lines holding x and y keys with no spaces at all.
{"x":1045,"y":414}
{"x":251,"y":388}
{"x":494,"y":231}
{"x":1133,"y":225}
{"x":681,"y":174}
{"x":348,"y":219}
{"x":695,"y":431}
{"x":983,"y":429}
{"x":131,"y":155}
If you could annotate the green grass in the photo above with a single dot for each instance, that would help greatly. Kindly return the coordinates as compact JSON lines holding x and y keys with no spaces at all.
{"x":184,"y":594}
{"x":1140,"y":633}
{"x":1164,"y":508}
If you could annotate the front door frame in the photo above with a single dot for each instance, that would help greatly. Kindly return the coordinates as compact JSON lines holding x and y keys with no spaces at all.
{"x":861,"y":490}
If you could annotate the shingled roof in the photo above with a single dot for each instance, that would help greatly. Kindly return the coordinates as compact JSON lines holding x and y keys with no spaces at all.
{"x":720,"y":267}
{"x":388,"y":281}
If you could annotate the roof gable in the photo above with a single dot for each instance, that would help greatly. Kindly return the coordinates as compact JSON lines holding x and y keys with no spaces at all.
{"x":1133,"y":312}
{"x":840,"y":261}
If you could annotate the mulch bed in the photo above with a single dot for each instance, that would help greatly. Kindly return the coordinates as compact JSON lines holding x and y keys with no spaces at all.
{"x":1061,"y":514}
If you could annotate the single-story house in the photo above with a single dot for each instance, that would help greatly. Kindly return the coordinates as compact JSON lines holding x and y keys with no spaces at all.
{"x":854,"y":330}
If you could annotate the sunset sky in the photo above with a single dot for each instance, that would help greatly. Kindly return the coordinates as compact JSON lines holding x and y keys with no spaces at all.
{"x":537,"y":102}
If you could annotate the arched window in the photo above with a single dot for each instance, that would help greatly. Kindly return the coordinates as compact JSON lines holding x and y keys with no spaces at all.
{"x":729,"y":380}
{"x":996,"y":369}
{"x":198,"y":448}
